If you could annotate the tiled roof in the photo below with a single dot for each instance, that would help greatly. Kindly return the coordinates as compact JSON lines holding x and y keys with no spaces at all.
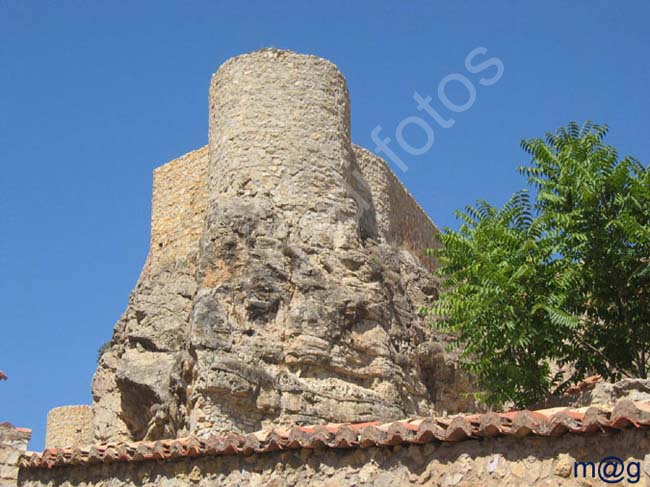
{"x":584,"y":385}
{"x":547,"y":423}
{"x":20,"y":432}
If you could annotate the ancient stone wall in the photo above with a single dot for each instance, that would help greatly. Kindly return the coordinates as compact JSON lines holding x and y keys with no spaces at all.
{"x":512,"y":461}
{"x":401,"y":220}
{"x":134,"y":375}
{"x":69,"y":426}
{"x":179,"y":201}
{"x":180,"y":191}
{"x":13,"y":442}
{"x":276,"y":290}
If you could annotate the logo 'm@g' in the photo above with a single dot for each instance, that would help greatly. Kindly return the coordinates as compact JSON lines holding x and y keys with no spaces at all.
{"x":610,"y":470}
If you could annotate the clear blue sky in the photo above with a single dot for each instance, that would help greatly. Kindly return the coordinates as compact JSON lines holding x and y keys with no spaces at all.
{"x":94,"y":95}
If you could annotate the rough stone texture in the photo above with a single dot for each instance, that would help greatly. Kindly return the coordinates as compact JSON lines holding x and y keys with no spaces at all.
{"x":178,"y":204}
{"x":179,"y":200}
{"x":287,"y":284}
{"x":602,"y":393}
{"x":13,"y":442}
{"x":401,"y":221}
{"x":69,"y":426}
{"x":543,"y":462}
{"x":608,"y":393}
{"x":137,"y":388}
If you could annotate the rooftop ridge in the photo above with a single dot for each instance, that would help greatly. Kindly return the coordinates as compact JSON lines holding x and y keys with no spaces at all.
{"x":553,"y":422}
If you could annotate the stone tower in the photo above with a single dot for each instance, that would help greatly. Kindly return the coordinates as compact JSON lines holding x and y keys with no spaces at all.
{"x":284,"y":275}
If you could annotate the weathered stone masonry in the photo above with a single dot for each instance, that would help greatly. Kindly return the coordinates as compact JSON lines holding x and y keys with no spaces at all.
{"x":273,"y":337}
{"x":535,"y":462}
{"x":284,"y":276}
{"x":180,"y":191}
{"x":13,"y":442}
{"x":400,"y":219}
{"x":179,"y":201}
{"x":522,"y":448}
{"x":69,"y":425}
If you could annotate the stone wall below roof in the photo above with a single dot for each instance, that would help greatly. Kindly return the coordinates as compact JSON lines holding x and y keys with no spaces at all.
{"x":529,"y":461}
{"x":13,"y":442}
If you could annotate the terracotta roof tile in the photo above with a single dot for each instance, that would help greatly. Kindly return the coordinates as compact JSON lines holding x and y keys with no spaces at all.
{"x":584,"y":385}
{"x":549,"y":422}
{"x":12,"y":432}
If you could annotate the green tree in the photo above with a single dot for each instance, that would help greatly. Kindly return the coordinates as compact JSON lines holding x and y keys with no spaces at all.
{"x":596,"y":208}
{"x":564,"y":279}
{"x":498,"y":270}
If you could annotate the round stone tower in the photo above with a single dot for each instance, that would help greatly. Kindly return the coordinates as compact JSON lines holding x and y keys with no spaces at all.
{"x":280,"y":130}
{"x":290,"y":303}
{"x":69,"y":426}
{"x":301,"y":315}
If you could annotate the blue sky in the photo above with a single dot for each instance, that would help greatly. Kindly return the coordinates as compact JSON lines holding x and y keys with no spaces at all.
{"x":95,"y":95}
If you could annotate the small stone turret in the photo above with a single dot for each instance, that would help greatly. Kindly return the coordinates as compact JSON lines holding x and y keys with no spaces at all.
{"x":284,"y":276}
{"x":69,"y":426}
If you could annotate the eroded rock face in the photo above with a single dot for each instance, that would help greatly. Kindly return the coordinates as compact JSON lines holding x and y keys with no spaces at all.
{"x":298,"y":302}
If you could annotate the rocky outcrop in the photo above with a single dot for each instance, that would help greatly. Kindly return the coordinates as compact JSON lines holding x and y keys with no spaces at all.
{"x":293,"y":294}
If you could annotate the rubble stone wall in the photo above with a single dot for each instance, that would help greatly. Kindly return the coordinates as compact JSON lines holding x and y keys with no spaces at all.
{"x":69,"y":426}
{"x":530,"y":461}
{"x":178,"y":207}
{"x":272,"y":294}
{"x":13,"y":442}
{"x":401,"y":220}
{"x":180,"y":192}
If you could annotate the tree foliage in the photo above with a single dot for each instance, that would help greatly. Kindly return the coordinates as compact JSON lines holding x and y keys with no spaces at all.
{"x":562,"y":279}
